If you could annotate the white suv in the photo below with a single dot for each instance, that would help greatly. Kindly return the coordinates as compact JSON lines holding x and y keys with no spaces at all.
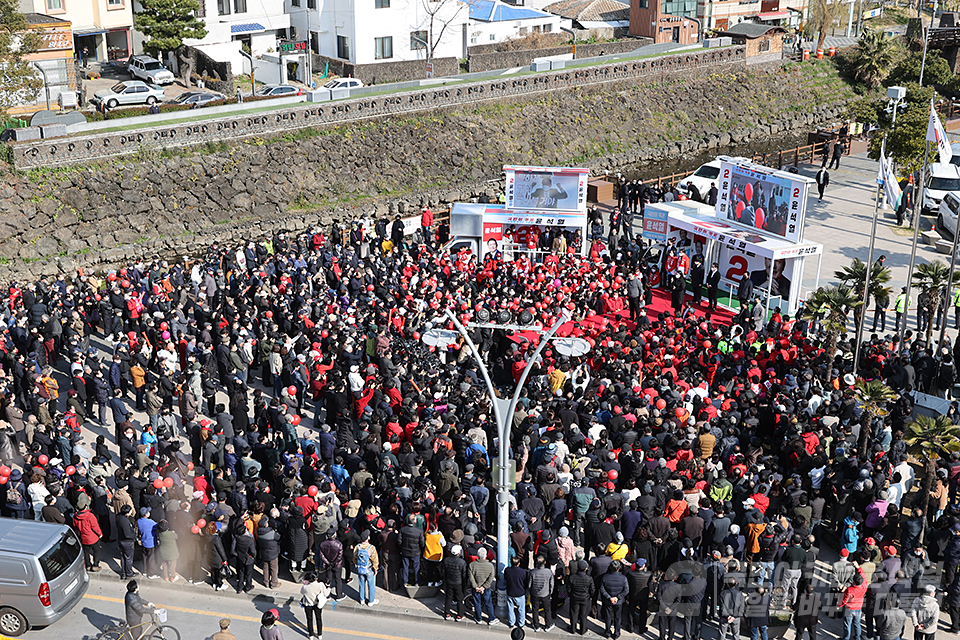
{"x":149,"y":70}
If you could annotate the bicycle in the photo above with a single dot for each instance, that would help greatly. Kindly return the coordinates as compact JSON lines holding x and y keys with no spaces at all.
{"x":154,"y":629}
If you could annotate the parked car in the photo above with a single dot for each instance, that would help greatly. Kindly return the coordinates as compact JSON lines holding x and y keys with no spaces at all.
{"x":942,"y":179}
{"x":702,"y":177}
{"x":278,"y":90}
{"x":947,"y":216}
{"x":41,"y":574}
{"x":149,"y":70}
{"x":343,"y":83}
{"x":129,"y":92}
{"x":197,"y":98}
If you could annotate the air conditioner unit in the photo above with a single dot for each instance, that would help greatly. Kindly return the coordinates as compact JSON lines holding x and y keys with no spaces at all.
{"x":67,"y":100}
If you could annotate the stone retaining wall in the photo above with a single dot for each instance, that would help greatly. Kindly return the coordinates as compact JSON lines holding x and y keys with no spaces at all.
{"x":508,"y":59}
{"x":71,"y":150}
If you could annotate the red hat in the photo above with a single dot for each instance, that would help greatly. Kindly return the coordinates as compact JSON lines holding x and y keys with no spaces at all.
{"x":844,"y":553}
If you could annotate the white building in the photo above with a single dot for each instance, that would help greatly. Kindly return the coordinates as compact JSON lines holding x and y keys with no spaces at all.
{"x":493,"y":21}
{"x":235,"y":25}
{"x":101,"y":28}
{"x":375,"y":31}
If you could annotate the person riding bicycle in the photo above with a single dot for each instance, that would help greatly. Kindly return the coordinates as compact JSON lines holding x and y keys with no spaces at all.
{"x":135,"y":607}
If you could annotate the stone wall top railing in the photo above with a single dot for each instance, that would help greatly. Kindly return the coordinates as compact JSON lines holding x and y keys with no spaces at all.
{"x":71,"y":150}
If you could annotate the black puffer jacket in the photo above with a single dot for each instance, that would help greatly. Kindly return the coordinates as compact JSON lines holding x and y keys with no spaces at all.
{"x":582,"y":586}
{"x":296,"y":538}
{"x":454,"y":571}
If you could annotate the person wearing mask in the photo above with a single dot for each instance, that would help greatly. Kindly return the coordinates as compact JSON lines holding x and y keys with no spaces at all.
{"x":88,"y":529}
{"x":669,"y":599}
{"x":412,"y":544}
{"x":614,"y":589}
{"x":313,"y":597}
{"x":135,"y":607}
{"x":147,"y":529}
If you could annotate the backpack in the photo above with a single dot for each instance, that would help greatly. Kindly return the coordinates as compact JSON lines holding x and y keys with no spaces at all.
{"x":363,"y":561}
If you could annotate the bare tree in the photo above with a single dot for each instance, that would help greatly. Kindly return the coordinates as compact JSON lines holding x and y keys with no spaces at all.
{"x":823,"y":13}
{"x":440,"y":15}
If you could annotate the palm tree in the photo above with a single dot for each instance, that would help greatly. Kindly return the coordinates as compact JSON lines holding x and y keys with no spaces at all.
{"x":873,"y":58}
{"x":928,"y":440}
{"x":829,"y":306}
{"x":854,"y":276}
{"x":873,"y":397}
{"x":933,"y":277}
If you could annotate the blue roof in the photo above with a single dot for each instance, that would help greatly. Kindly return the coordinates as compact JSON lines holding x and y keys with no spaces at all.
{"x":495,"y":11}
{"x":244,"y":28}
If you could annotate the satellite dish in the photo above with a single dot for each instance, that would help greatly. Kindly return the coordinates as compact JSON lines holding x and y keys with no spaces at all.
{"x":571,"y":346}
{"x":440,"y":338}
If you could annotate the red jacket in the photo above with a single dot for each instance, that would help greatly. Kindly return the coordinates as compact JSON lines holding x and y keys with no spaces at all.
{"x":853,"y":597}
{"x":87,"y":526}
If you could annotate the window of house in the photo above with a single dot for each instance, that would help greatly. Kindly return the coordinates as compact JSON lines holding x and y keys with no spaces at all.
{"x":54,"y":5}
{"x":492,"y":37}
{"x":418,"y":40}
{"x":547,"y":28}
{"x":383,"y":48}
{"x":523,"y":31}
{"x":343,"y":47}
{"x":239,"y":6}
{"x":381,"y":4}
{"x":115,"y":4}
{"x":295,"y":3}
{"x":764,"y":46}
{"x":223,"y":7}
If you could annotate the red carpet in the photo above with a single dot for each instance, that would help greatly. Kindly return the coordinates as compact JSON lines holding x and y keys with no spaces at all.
{"x":661,"y":303}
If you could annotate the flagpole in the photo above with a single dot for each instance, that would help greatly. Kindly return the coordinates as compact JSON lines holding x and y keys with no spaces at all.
{"x":873,"y":239}
{"x":917,"y":210}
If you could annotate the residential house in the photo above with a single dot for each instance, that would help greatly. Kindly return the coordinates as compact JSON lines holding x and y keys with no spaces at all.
{"x":604,"y":18}
{"x":721,"y":15}
{"x":253,"y":26}
{"x":665,"y":20}
{"x":493,"y":21}
{"x":100,"y":28}
{"x":365,"y":32}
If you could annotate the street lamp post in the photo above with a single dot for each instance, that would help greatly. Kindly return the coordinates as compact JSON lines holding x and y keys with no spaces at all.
{"x":504,"y":424}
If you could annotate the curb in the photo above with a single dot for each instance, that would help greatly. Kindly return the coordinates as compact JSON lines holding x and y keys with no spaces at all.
{"x":347,"y":605}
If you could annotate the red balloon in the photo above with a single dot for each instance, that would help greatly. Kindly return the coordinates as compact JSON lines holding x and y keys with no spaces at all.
{"x":3,"y":479}
{"x":201,"y":523}
{"x":661,"y":404}
{"x":739,"y":208}
{"x":295,"y":420}
{"x":679,"y":411}
{"x":707,"y":344}
{"x":613,"y":474}
{"x":269,"y":314}
{"x":369,"y":287}
{"x":5,"y":471}
{"x":168,"y":482}
{"x":190,"y":466}
{"x":758,"y":218}
{"x":70,"y":470}
{"x":748,"y":191}
{"x":158,"y":484}
{"x":292,"y":390}
{"x":194,"y":529}
{"x":43,"y":459}
{"x":312,"y":490}
{"x":125,"y":284}
{"x":267,"y":490}
{"x":416,"y":335}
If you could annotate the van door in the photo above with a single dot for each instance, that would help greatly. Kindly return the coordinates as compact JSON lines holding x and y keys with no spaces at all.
{"x":62,"y":568}
{"x":18,"y":584}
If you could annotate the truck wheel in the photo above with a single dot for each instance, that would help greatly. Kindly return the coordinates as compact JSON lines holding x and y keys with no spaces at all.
{"x":12,"y":622}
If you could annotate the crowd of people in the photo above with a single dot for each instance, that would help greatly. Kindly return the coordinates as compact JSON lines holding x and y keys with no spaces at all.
{"x":296,"y":427}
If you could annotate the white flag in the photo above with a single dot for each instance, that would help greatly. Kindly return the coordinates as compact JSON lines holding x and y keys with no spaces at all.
{"x":937,"y":135}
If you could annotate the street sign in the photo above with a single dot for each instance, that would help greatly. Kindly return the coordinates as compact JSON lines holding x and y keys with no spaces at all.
{"x":292,"y":47}
{"x":873,"y":13}
{"x":429,"y":69}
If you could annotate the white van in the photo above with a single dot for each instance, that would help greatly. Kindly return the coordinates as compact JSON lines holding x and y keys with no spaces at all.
{"x":41,"y":574}
{"x":941,"y":179}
